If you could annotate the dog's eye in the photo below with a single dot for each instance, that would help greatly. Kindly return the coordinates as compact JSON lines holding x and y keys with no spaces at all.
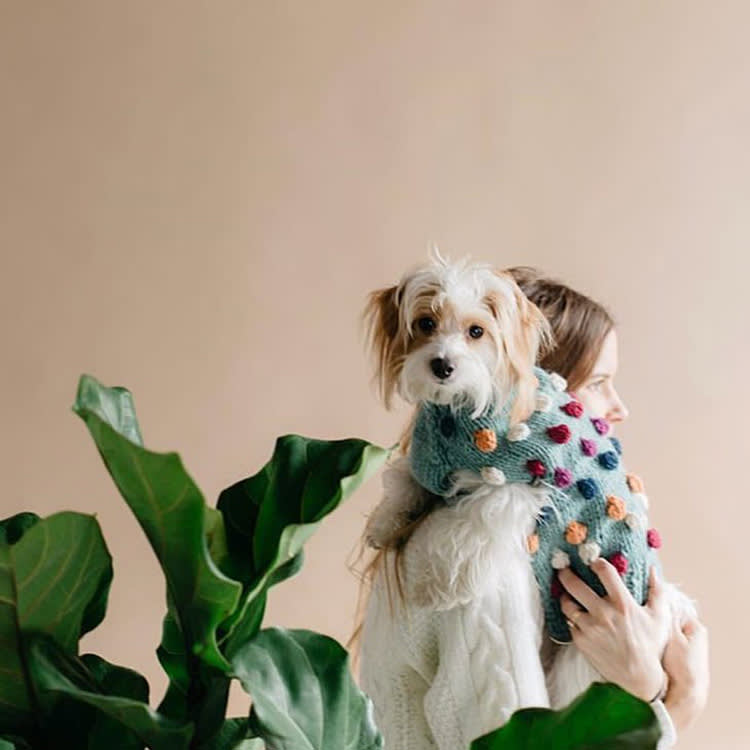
{"x":426,"y":324}
{"x":476,"y":332}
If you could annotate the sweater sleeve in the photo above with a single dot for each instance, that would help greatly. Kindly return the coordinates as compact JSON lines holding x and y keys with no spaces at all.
{"x":668,"y":737}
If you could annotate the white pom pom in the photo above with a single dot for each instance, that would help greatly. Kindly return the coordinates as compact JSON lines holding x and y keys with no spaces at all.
{"x":492,"y":475}
{"x":642,"y":498}
{"x":588,"y":552}
{"x":518,"y":432}
{"x":560,"y":559}
{"x":633,"y":521}
{"x":558,"y":382}
{"x":543,"y":402}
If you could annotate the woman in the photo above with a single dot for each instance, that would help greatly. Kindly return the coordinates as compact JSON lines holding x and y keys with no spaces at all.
{"x":414,"y":696}
{"x":616,"y":636}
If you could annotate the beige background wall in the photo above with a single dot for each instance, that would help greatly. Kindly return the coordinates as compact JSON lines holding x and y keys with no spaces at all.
{"x":195,"y":198}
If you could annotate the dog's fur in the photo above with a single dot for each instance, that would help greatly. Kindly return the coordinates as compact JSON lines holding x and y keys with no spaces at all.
{"x":478,"y":541}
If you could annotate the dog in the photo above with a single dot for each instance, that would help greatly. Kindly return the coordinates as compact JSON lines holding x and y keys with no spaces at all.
{"x":459,"y":340}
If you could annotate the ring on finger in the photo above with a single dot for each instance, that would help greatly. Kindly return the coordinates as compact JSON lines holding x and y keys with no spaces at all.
{"x":573,"y":618}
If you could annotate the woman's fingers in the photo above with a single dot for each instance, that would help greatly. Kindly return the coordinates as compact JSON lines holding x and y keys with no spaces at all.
{"x":657,"y":600}
{"x":612,"y":582}
{"x":576,"y":616}
{"x":579,"y":590}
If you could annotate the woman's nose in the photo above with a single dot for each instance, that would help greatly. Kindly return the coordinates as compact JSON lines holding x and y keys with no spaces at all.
{"x":617,"y":411}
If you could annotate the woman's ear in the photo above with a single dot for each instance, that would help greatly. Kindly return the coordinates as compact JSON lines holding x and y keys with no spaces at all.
{"x":382,"y":324}
{"x":524,"y":329}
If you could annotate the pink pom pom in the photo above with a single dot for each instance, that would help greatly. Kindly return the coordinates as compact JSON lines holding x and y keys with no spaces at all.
{"x":563,"y":478}
{"x":559,"y":433}
{"x":620,"y":562}
{"x":588,"y":447}
{"x":536,"y":468}
{"x":556,"y":588}
{"x":653,"y":537}
{"x":573,"y":409}
{"x":600,"y":425}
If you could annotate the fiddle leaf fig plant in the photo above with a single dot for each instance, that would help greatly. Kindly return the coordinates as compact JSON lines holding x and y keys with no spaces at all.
{"x":219,"y":564}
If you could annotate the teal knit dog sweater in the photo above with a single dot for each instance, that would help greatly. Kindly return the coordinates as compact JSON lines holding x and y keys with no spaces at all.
{"x":596,"y":509}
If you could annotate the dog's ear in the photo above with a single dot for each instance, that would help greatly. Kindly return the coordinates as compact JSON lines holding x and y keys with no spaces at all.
{"x":382,"y":324}
{"x":525,"y":330}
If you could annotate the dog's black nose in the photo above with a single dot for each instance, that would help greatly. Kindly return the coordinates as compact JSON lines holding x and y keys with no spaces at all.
{"x":442,"y":368}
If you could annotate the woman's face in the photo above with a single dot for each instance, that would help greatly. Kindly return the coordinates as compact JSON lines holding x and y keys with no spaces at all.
{"x":598,"y":394}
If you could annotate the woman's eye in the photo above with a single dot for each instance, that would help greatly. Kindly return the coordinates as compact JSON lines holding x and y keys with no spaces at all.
{"x":476,"y":332}
{"x":426,"y":324}
{"x":596,"y":385}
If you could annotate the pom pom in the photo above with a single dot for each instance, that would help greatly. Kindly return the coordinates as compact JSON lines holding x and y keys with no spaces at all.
{"x":620,"y":562}
{"x":616,"y":508}
{"x":633,"y":521}
{"x":600,"y":425}
{"x":543,"y":402}
{"x":617,"y":445}
{"x":518,"y":432}
{"x":560,"y":559}
{"x":485,"y":440}
{"x":587,"y":487}
{"x":560,"y":433}
{"x":492,"y":475}
{"x":573,"y":409}
{"x":558,"y":382}
{"x":556,"y":588}
{"x":589,"y":552}
{"x":563,"y":478}
{"x":535,"y":467}
{"x":653,"y":537}
{"x":532,"y":543}
{"x":576,"y":532}
{"x":641,"y":498}
{"x":608,"y":460}
{"x":588,"y":447}
{"x":448,"y":426}
{"x":635,"y":483}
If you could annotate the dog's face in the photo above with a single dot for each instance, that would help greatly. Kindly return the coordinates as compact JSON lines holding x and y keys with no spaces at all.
{"x":456,"y":333}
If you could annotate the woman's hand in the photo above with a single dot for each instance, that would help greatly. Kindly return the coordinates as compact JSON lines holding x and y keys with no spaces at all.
{"x":621,"y":639}
{"x":686,"y":663}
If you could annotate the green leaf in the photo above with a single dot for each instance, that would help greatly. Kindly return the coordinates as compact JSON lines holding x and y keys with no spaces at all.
{"x":106,"y":732}
{"x":234,"y":735}
{"x":304,"y":697}
{"x":84,"y":681}
{"x":53,"y":580}
{"x":269,"y":516}
{"x":13,"y":528}
{"x":171,"y":510}
{"x":605,"y":717}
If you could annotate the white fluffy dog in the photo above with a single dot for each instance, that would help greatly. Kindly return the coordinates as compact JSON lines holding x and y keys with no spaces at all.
{"x":464,"y":335}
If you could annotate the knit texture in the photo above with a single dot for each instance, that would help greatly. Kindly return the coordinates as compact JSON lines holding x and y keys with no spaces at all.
{"x":596,"y":509}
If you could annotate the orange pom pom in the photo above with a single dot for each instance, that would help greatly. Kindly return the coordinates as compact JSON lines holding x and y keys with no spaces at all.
{"x":635,"y":483}
{"x":576,"y":532}
{"x":532,"y":543}
{"x":616,"y":508}
{"x":485,"y":440}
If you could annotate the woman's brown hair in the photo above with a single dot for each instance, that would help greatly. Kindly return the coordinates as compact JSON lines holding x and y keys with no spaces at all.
{"x":579,"y":324}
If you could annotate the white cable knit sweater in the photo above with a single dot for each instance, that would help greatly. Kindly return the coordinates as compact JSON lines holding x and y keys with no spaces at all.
{"x":440,"y":676}
{"x":459,"y":653}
